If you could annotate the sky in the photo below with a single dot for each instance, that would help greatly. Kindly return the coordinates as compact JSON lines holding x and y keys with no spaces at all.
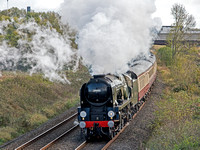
{"x":163,"y":7}
{"x":164,"y":10}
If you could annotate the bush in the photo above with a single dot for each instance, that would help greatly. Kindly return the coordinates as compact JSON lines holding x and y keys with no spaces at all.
{"x":165,"y":55}
{"x":185,"y":74}
{"x":37,"y":119}
{"x":6,"y":133}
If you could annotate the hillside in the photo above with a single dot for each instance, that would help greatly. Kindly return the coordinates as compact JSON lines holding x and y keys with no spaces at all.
{"x":36,"y":49}
{"x":36,"y":42}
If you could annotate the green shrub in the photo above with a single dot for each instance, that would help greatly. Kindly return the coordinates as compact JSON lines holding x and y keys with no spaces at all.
{"x":188,"y":143}
{"x":6,"y":133}
{"x":165,"y":55}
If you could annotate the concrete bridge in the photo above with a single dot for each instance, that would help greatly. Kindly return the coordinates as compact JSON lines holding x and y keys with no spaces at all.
{"x":192,"y":36}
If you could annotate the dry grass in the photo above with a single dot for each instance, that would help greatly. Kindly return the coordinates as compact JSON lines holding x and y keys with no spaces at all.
{"x":28,"y":101}
{"x":37,"y":119}
{"x":156,"y":47}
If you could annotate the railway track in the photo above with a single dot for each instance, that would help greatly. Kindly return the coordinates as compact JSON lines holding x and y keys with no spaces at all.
{"x":59,"y":137}
{"x":35,"y":143}
{"x":86,"y":145}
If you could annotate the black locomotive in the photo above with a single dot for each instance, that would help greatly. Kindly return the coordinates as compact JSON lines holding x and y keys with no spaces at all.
{"x":108,"y":102}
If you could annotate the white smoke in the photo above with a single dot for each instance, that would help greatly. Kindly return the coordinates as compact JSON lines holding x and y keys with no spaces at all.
{"x":111,"y":33}
{"x":9,"y":57}
{"x":47,"y":52}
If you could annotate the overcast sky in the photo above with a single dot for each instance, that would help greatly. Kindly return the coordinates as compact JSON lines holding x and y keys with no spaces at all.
{"x":164,"y":10}
{"x":163,"y":7}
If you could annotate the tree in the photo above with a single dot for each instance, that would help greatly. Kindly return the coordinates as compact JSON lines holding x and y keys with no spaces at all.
{"x":183,"y":22}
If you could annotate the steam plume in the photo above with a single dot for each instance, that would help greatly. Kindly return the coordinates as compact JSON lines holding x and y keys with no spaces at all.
{"x":48,"y":51}
{"x":111,"y":33}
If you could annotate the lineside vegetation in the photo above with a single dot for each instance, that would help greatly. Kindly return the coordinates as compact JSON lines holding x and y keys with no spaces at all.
{"x":28,"y":101}
{"x":177,"y":123}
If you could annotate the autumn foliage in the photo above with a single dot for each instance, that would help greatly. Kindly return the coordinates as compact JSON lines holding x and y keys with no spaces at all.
{"x":177,"y":123}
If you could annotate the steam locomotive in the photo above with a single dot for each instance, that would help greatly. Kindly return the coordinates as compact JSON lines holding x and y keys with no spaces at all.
{"x":108,"y":102}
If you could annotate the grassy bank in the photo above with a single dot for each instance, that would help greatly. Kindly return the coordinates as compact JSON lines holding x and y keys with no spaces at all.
{"x":28,"y":101}
{"x":177,"y":123}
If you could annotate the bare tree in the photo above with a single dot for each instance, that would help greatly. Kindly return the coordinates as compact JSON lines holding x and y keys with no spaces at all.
{"x":182,"y":23}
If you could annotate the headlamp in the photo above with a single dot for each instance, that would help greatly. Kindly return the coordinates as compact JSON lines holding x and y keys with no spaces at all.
{"x":111,"y":114}
{"x":83,"y":114}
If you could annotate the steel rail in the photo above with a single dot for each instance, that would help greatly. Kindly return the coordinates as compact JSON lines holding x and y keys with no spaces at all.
{"x":46,"y":132}
{"x":116,"y":136}
{"x":82,"y":145}
{"x":59,"y":137}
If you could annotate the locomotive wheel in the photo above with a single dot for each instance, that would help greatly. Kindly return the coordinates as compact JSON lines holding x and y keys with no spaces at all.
{"x":130,"y":116}
{"x":121,"y":125}
{"x":111,"y":133}
{"x":87,"y":138}
{"x":125,"y":121}
{"x":87,"y":135}
{"x":136,"y":107}
{"x":141,"y":102}
{"x":133,"y":111}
